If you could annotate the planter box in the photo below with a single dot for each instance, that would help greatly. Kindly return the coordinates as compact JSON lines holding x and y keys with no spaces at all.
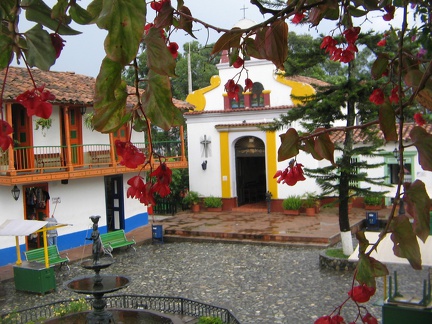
{"x":373,"y":207}
{"x":291,"y":212}
{"x":214,"y":209}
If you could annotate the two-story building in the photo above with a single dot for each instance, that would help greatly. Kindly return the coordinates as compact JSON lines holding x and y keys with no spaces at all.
{"x":62,"y":167}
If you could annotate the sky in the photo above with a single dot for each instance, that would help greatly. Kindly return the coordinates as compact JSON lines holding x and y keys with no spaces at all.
{"x":83,"y":54}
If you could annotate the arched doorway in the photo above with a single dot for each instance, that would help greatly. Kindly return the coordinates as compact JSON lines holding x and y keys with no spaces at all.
{"x":250,"y":170}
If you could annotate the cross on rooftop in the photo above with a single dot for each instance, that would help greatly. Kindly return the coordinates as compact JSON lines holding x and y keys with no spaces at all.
{"x":244,"y":11}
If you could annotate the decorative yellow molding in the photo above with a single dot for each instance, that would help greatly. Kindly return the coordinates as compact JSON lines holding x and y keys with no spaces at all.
{"x":225,"y":165}
{"x":197,"y":97}
{"x":299,"y":89}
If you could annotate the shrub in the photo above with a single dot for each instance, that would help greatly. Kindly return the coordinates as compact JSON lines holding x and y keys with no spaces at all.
{"x":191,"y":198}
{"x":209,"y":320}
{"x":309,"y":200}
{"x":292,"y":203}
{"x":373,"y":200}
{"x":212,"y":202}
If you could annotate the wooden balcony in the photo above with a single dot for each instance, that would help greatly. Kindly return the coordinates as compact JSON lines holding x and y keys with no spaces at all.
{"x":22,"y":165}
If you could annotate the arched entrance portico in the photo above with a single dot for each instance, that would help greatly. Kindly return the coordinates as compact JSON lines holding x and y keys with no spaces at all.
{"x":250,"y":170}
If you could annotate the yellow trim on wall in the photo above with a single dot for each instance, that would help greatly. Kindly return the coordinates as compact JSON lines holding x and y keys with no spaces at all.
{"x":225,"y":165}
{"x":271,"y":163}
{"x":299,"y":89}
{"x":197,"y":97}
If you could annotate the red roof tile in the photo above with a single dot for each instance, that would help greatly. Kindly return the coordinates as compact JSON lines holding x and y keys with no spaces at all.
{"x":68,"y":87}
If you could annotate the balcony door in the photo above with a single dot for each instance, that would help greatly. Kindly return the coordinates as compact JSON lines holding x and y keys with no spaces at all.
{"x":75,"y":136}
{"x":22,"y":136}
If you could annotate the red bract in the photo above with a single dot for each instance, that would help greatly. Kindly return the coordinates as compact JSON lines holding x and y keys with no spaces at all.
{"x":136,"y":187}
{"x":323,"y":320}
{"x":163,"y":176}
{"x":238,"y":63}
{"x":173,"y":48}
{"x":36,"y":102}
{"x":369,"y":319}
{"x":390,"y":13}
{"x":5,"y":139}
{"x":157,"y":5}
{"x":132,"y":157}
{"x":362,"y":293}
{"x":57,"y":42}
{"x":329,"y":44}
{"x":418,"y":118}
{"x":291,"y":175}
{"x":382,"y":42}
{"x":394,"y":96}
{"x":346,"y":56}
{"x":248,"y":85}
{"x":298,"y":17}
{"x":351,"y":34}
{"x":232,"y":89}
{"x":377,"y":97}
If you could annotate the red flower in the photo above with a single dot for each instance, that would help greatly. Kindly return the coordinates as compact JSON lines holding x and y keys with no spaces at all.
{"x":232,"y":89}
{"x":336,"y":319}
{"x":238,"y":63}
{"x":377,"y":97}
{"x":394,"y":96}
{"x":362,"y":293}
{"x":5,"y":139}
{"x":148,"y":27}
{"x":346,"y":56}
{"x":157,"y":5}
{"x":369,"y":319}
{"x":418,"y":118}
{"x":328,"y":43}
{"x":382,"y":42}
{"x":57,"y":42}
{"x":390,"y":13}
{"x":139,"y":190}
{"x":132,"y":157}
{"x":36,"y":102}
{"x":173,"y":48}
{"x":291,"y":175}
{"x":298,"y":17}
{"x":163,"y":176}
{"x":248,"y":85}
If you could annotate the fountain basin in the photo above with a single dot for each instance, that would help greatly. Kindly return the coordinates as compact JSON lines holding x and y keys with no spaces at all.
{"x":106,"y":283}
{"x":101,"y":264}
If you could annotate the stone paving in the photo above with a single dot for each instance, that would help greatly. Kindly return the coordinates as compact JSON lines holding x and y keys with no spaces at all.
{"x":260,"y":284}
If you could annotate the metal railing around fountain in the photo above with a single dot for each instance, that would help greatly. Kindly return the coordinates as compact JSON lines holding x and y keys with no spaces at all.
{"x":167,"y":305}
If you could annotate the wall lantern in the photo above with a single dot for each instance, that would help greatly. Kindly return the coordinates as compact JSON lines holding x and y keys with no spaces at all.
{"x":15,"y":192}
{"x":83,"y":110}
{"x":396,"y":153}
{"x":204,"y":165}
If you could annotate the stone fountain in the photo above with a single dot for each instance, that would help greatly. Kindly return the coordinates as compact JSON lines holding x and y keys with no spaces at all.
{"x":98,"y":285}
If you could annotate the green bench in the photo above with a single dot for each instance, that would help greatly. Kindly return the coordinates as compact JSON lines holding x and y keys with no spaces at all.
{"x":115,"y":239}
{"x":54,"y":258}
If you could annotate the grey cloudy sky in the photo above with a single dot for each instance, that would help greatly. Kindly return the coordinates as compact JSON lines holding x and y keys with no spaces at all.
{"x":82,"y":54}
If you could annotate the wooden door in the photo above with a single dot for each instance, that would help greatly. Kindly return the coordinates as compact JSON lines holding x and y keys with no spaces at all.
{"x":22,"y":136}
{"x":75,"y":135}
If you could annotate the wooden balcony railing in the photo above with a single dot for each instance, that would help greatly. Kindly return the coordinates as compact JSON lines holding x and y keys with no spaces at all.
{"x":54,"y":159}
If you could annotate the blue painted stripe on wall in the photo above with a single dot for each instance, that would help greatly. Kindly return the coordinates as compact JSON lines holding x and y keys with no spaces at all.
{"x":73,"y":240}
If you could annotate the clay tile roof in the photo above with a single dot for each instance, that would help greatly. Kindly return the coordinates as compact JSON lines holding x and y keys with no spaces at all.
{"x":312,"y":81}
{"x":358,"y":137}
{"x":68,"y":87}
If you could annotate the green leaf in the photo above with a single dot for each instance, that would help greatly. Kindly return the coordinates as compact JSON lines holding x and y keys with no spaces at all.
{"x":125,"y":21}
{"x":405,"y":241}
{"x":324,"y":146}
{"x":368,"y":269}
{"x":418,"y":206}
{"x":159,"y":58}
{"x":110,"y":98}
{"x":230,"y":39}
{"x":186,"y":23}
{"x":363,"y":242}
{"x":6,"y":7}
{"x":309,"y":147}
{"x":276,"y":44}
{"x":165,"y":16}
{"x":157,"y":102}
{"x":379,"y":66}
{"x":356,"y":12}
{"x":386,"y":121}
{"x":59,"y":9}
{"x":251,"y":49}
{"x":289,"y":145}
{"x":40,"y":52}
{"x":80,"y":15}
{"x":422,"y":140}
{"x":40,"y":13}
{"x":6,"y":55}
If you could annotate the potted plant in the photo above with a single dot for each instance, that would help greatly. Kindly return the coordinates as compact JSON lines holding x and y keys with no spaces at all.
{"x":213,"y":203}
{"x":292,"y":205}
{"x":373,"y":201}
{"x":191,"y":199}
{"x":309,"y":203}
